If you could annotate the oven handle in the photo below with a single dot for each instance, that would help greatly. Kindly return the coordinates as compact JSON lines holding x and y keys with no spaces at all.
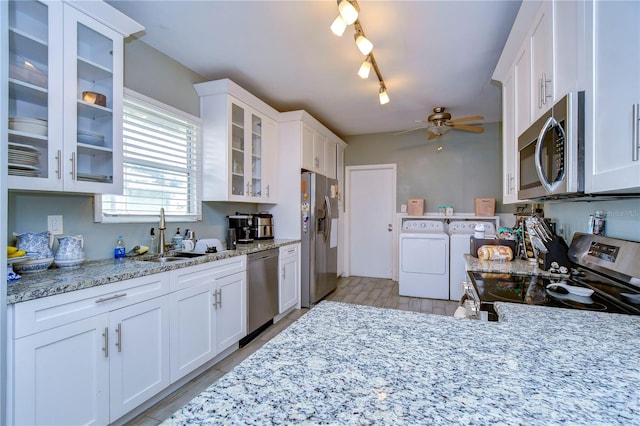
{"x":551,"y":123}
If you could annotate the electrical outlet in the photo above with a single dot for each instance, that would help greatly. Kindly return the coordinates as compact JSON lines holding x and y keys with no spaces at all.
{"x":54,"y":224}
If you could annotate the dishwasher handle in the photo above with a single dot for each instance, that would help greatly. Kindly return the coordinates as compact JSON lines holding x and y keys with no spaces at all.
{"x":263,"y":255}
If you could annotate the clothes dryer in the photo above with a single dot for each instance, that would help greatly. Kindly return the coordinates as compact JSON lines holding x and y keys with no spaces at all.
{"x":424,"y":259}
{"x":460,"y":234}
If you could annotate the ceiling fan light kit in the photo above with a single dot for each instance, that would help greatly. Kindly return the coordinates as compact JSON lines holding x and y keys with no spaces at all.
{"x":348,"y":14}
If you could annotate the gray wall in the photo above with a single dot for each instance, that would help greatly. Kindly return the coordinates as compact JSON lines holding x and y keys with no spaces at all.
{"x":623,"y":216}
{"x":153,"y":74}
{"x":468,"y":166}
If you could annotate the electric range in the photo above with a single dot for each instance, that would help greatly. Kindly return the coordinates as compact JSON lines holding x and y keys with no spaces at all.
{"x":607,"y":267}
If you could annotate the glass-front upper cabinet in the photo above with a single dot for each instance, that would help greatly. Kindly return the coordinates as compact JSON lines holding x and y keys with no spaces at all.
{"x":65,"y":98}
{"x":237,"y":151}
{"x":256,"y":156}
{"x":246,"y":152}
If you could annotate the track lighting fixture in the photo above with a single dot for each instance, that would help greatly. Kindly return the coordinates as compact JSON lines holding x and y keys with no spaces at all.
{"x":348,"y":14}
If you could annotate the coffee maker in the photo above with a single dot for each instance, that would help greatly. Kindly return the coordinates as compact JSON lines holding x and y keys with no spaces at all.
{"x":242,"y":223}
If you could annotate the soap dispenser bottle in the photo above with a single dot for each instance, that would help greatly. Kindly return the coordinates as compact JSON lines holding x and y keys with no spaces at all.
{"x":177,"y":240}
{"x":153,"y":242}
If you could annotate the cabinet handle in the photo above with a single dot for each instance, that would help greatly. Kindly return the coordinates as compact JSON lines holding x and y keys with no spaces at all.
{"x":215,"y":299}
{"x":73,"y":166}
{"x":105,"y":348}
{"x":220,"y":299}
{"x":544,"y":88}
{"x":268,"y":191}
{"x":119,"y":333}
{"x":115,"y":296}
{"x":636,"y":132}
{"x":249,"y":189}
{"x":389,"y":227}
{"x":59,"y":161}
{"x":284,"y":273}
{"x":540,"y":93}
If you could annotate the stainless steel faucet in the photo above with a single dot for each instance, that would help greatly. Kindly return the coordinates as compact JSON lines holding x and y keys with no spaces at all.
{"x":162,"y":227}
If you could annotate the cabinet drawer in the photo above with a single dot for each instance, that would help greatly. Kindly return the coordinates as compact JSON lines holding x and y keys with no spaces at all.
{"x":289,"y":251}
{"x":193,"y":275}
{"x":48,"y":312}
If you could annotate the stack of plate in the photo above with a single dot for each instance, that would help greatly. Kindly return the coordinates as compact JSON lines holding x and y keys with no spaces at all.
{"x":91,"y":138}
{"x":23,"y":160}
{"x":29,"y":125}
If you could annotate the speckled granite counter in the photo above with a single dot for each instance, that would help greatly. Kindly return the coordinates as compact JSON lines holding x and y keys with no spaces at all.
{"x":94,"y":273}
{"x":349,"y":364}
{"x":517,"y":266}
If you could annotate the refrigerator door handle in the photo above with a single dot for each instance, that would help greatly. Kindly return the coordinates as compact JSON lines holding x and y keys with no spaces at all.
{"x":327,"y":228}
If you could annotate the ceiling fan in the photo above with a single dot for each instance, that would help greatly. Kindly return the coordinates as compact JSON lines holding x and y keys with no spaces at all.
{"x":440,"y":122}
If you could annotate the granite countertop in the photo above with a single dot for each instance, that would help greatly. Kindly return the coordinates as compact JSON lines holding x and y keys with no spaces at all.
{"x":516,"y":267}
{"x":99,"y":272}
{"x":350,"y":364}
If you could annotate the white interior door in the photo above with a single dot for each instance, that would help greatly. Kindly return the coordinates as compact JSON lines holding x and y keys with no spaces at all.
{"x":371,"y":198}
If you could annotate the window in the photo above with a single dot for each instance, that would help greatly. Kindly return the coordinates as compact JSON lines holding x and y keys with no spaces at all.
{"x":160,"y":164}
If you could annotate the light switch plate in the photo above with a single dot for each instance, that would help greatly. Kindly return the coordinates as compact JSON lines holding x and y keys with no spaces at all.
{"x":403,"y":208}
{"x":54,"y":224}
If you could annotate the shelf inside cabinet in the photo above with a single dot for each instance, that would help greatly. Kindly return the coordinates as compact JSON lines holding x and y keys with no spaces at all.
{"x":32,"y":48}
{"x":89,"y":70}
{"x":93,"y":111}
{"x":89,"y":147}
{"x":22,"y":137}
{"x":27,"y":92}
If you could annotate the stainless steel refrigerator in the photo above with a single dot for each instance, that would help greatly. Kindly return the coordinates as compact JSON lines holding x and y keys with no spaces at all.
{"x":319,"y":209}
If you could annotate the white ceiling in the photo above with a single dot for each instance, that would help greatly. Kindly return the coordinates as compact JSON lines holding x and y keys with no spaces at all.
{"x":430,"y":53}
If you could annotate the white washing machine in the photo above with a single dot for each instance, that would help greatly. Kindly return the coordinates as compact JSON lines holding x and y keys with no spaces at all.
{"x":424,"y":259}
{"x":459,"y":234}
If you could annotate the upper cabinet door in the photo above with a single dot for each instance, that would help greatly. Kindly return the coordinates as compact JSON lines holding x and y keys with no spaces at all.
{"x":613,"y":97}
{"x":92,"y":125}
{"x":541,"y":42}
{"x":35,"y":91}
{"x":63,"y":137}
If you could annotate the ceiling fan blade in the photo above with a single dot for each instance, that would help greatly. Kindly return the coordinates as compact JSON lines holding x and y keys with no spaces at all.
{"x":461,"y":119}
{"x":468,"y":128}
{"x":410,"y":130}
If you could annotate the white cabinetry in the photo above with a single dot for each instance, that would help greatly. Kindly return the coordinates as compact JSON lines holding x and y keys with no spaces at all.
{"x":208,"y":312}
{"x":90,"y":356}
{"x":62,"y":375}
{"x":541,"y":45}
{"x":613,"y":97}
{"x":318,"y":151}
{"x":139,"y":354}
{"x":289,"y":285}
{"x":509,"y":142}
{"x":239,"y":141}
{"x":58,"y":140}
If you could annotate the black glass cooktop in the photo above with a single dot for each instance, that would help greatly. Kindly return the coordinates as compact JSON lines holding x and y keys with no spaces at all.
{"x":608,"y":296}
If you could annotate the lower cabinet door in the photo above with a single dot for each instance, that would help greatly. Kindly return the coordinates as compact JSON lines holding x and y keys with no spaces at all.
{"x":192,"y":328}
{"x":62,"y":375}
{"x":139,"y":351}
{"x":289,"y":283}
{"x":231,"y":315}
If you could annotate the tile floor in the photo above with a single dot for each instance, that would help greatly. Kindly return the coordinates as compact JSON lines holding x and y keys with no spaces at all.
{"x":358,"y":290}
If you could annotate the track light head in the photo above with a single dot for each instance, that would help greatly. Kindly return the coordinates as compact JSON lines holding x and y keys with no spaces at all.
{"x":348,"y":12}
{"x":382,"y":95}
{"x":365,"y":68}
{"x":338,"y":26}
{"x":364,"y":45}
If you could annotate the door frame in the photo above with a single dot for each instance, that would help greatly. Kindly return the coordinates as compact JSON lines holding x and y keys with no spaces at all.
{"x":347,"y":214}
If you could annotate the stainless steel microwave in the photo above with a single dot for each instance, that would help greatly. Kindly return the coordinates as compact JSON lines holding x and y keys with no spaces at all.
{"x":551,"y":152}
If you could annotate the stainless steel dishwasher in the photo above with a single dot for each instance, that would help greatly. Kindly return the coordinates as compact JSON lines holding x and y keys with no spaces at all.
{"x":262,"y":294}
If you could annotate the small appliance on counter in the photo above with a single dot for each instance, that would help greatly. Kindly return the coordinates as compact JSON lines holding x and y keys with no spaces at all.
{"x":262,"y":226}
{"x":242,"y":224}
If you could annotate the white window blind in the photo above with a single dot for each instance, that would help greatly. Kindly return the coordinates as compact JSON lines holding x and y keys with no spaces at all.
{"x":160,"y":163}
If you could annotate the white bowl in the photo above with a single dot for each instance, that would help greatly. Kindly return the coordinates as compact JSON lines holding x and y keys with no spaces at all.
{"x":90,"y":138}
